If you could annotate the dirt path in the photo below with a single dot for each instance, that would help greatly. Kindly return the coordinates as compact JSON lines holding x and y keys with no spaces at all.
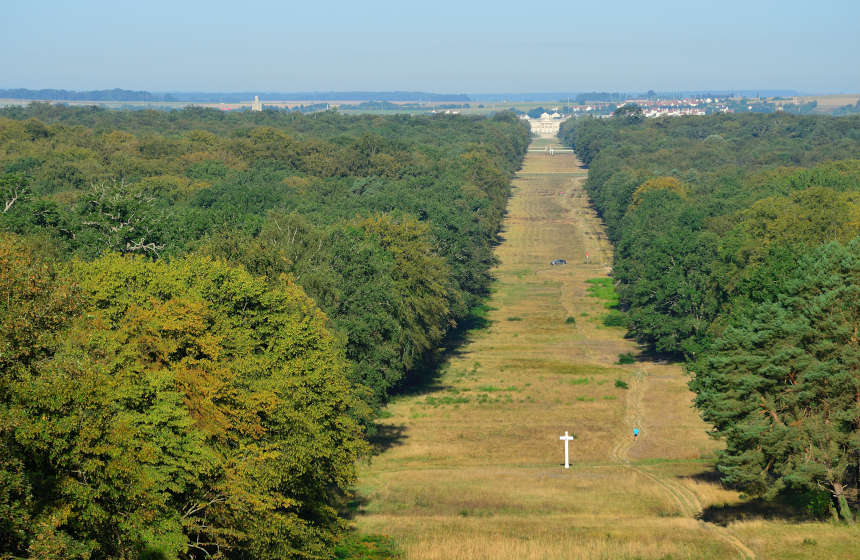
{"x":471,"y":467}
{"x":687,"y":501}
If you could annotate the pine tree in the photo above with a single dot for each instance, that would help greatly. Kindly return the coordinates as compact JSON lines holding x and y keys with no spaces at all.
{"x":781,"y":380}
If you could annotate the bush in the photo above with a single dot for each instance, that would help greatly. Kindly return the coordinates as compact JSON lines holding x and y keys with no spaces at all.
{"x":570,"y":321}
{"x":621,"y":384}
{"x":626,"y":358}
{"x":615,"y":319}
{"x":367,"y":547}
{"x":817,"y":503}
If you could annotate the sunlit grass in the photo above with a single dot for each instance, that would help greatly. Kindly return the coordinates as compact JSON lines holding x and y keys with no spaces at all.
{"x":603,"y":289}
{"x":475,"y":471}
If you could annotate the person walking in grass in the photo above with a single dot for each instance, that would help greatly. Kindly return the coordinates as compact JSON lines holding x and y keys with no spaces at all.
{"x":635,"y":434}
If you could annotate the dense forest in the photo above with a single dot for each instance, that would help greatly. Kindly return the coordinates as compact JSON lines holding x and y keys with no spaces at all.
{"x":199,"y":313}
{"x":737,"y":249}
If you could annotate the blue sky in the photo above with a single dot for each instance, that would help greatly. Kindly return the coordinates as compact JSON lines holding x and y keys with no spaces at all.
{"x":442,"y":46}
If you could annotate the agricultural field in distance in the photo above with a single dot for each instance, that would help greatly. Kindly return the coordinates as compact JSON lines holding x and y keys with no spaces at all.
{"x":827,"y":103}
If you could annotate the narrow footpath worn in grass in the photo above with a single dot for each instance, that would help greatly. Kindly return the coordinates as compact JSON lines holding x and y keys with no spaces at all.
{"x":471,"y":465}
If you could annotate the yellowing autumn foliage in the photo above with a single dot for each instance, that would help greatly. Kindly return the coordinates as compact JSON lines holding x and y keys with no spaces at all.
{"x":659,"y":183}
{"x":188,"y":409}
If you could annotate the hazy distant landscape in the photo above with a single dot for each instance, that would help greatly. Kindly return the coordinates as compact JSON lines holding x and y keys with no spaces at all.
{"x":424,"y":103}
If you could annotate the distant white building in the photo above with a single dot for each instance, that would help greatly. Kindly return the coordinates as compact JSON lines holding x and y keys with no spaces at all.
{"x":546,"y":126}
{"x":674,"y":112}
{"x":256,"y":104}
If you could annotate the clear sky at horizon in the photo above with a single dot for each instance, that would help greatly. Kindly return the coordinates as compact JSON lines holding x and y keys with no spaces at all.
{"x":443,"y":46}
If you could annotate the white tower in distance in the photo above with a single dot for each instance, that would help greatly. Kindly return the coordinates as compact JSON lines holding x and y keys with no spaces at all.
{"x":256,"y":104}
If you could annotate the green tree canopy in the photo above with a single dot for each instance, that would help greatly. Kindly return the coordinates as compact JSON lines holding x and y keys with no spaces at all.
{"x":190,"y":408}
{"x":781,"y":380}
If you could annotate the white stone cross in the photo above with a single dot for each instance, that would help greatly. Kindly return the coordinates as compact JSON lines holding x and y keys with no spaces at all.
{"x":566,"y":439}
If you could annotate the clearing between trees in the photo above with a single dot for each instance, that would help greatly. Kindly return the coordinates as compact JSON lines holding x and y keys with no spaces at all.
{"x":471,"y":466}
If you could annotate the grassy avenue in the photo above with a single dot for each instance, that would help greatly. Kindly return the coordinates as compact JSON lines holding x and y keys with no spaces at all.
{"x":470,"y":465}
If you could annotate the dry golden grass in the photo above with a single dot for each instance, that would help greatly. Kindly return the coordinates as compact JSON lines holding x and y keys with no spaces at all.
{"x":475,"y":470}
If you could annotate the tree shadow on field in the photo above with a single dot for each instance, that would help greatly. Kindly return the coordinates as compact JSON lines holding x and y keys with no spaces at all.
{"x":425,"y":378}
{"x":352,"y":505}
{"x":709,"y":476}
{"x":755,"y":509}
{"x":653,"y":356}
{"x":752,"y":509}
{"x":386,"y":436}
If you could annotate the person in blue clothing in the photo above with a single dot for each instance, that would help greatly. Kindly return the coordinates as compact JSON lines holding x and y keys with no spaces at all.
{"x":635,"y":434}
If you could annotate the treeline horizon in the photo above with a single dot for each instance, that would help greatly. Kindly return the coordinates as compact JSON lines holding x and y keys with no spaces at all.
{"x":117,"y":94}
{"x":579,"y":97}
{"x":737,"y":249}
{"x":200,"y":313}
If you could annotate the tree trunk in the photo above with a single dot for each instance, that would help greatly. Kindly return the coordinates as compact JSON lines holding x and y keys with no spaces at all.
{"x":842,"y":503}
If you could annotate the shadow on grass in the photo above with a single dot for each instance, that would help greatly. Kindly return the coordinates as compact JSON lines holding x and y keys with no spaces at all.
{"x":386,"y":436}
{"x":710,"y":476}
{"x":353,"y":506}
{"x":785,"y":508}
{"x":752,"y":510}
{"x":655,"y":357}
{"x":425,"y":378}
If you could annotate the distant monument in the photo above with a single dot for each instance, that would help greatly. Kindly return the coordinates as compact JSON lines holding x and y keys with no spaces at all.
{"x":566,"y":439}
{"x":256,"y":104}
